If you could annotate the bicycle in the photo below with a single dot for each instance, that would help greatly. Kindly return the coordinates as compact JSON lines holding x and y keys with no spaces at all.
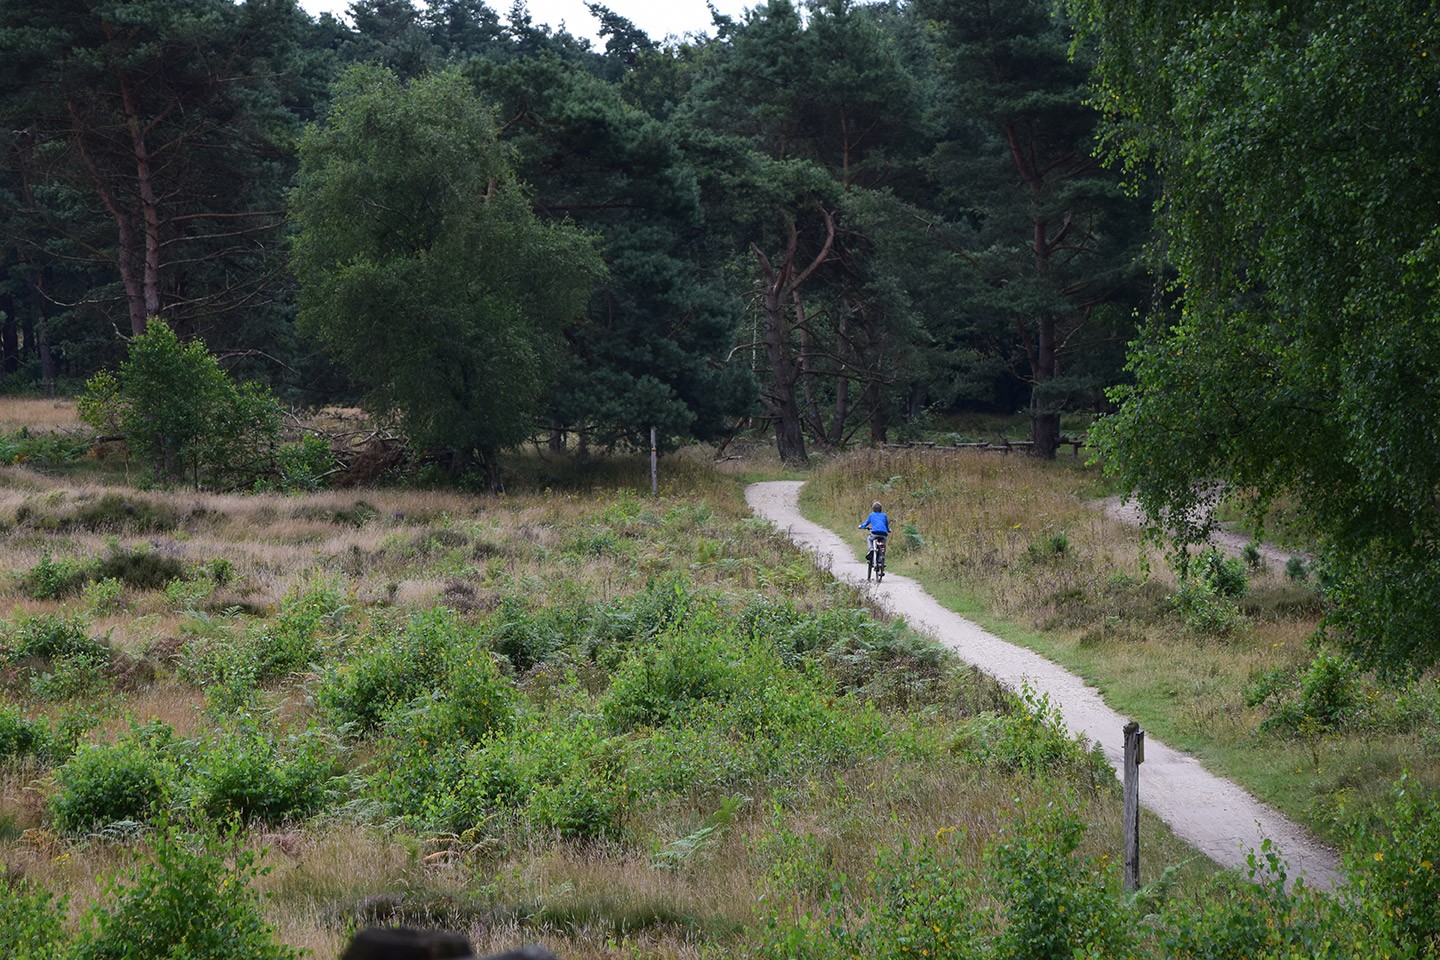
{"x":875,"y":559}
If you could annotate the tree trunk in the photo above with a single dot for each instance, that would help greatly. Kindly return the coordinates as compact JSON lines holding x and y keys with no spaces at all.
{"x":780,"y":293}
{"x":1044,"y":421}
{"x":557,"y":440}
{"x":875,"y":412}
{"x":490,"y":461}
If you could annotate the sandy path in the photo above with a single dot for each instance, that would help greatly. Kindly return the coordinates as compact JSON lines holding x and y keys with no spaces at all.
{"x":1210,"y":813}
{"x":1129,"y":512}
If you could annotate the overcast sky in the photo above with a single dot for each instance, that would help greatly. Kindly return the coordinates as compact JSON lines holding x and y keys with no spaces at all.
{"x":658,"y":18}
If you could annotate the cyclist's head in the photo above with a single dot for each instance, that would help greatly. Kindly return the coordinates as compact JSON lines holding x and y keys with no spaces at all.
{"x":876,"y":507}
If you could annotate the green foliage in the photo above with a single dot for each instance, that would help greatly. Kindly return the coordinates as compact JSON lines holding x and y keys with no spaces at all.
{"x":141,"y":568}
{"x":192,"y":897}
{"x":1300,"y":360}
{"x":103,"y":596}
{"x":1296,"y":571}
{"x":108,"y":783}
{"x":1210,"y":583}
{"x":1391,"y":862}
{"x":21,"y":738}
{"x":44,"y":449}
{"x":1036,"y":897}
{"x":1030,"y":737}
{"x":181,"y":413}
{"x":392,"y":666}
{"x":1326,"y":696}
{"x":75,"y":675}
{"x":1056,"y":905}
{"x":32,"y":920}
{"x":1049,"y":545}
{"x":666,"y":680}
{"x":51,"y":637}
{"x":303,"y":464}
{"x":52,"y":579}
{"x":423,"y":266}
{"x":1238,"y":921}
{"x":246,"y":775}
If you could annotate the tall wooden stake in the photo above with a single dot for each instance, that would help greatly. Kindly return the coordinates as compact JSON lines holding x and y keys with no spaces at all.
{"x":654,"y":465}
{"x":1134,"y":756}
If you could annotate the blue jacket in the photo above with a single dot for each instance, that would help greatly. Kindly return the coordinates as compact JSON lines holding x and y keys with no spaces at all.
{"x":877,"y":523}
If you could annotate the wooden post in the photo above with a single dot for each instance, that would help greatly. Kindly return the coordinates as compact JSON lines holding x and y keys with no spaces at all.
{"x":654,"y":465}
{"x":1134,"y":756}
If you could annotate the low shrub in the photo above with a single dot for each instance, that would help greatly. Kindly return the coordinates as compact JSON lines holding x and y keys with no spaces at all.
{"x":1326,"y":696}
{"x":140,"y":568}
{"x":77,"y":675}
{"x":1029,"y":737}
{"x":1056,"y":905}
{"x":21,"y":738}
{"x":245,"y":775}
{"x":303,"y":464}
{"x":107,"y":783}
{"x":52,"y":637}
{"x":104,"y":596}
{"x":32,"y":920}
{"x":191,"y":897}
{"x":394,"y":664}
{"x":1391,"y":861}
{"x":55,"y":579}
{"x":115,"y":512}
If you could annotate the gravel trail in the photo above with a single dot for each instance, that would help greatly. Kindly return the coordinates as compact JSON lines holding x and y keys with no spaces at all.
{"x":1210,"y":813}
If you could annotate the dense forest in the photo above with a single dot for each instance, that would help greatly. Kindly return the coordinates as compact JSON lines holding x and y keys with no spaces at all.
{"x":827,"y":220}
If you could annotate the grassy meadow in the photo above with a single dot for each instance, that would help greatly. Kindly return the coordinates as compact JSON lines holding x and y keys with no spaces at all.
{"x":615,"y":724}
{"x":1231,"y":676}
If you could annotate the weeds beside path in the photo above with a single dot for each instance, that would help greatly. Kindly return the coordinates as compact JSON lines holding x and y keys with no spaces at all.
{"x":1211,"y":813}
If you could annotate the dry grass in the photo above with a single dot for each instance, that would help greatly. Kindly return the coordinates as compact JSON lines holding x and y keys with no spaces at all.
{"x":38,"y":414}
{"x":388,"y":549}
{"x":1101,"y":606}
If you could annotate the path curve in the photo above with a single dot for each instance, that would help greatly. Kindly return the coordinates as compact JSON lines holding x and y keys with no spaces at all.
{"x":1210,"y":813}
{"x":1128,"y":512}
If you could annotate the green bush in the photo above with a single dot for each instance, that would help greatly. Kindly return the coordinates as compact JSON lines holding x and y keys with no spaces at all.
{"x":108,"y":783}
{"x":142,"y":569}
{"x":246,"y":775}
{"x":392,"y":666}
{"x":52,"y":579}
{"x":1030,"y":737}
{"x":1325,"y":697}
{"x":77,"y":675}
{"x":114,"y":511}
{"x":21,"y":738}
{"x":53,"y":449}
{"x":52,"y":637}
{"x":1391,"y":861}
{"x":312,"y":615}
{"x":1234,"y":920}
{"x":192,"y":898}
{"x":526,"y":636}
{"x":32,"y":921}
{"x":1056,"y":905}
{"x":104,"y":596}
{"x":303,"y":464}
{"x":179,"y":412}
{"x":671,"y":676}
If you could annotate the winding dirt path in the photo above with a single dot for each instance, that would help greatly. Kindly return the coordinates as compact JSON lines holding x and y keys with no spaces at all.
{"x":1210,"y":813}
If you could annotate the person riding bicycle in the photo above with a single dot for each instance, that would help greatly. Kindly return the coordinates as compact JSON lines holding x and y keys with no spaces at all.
{"x":878,"y":524}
